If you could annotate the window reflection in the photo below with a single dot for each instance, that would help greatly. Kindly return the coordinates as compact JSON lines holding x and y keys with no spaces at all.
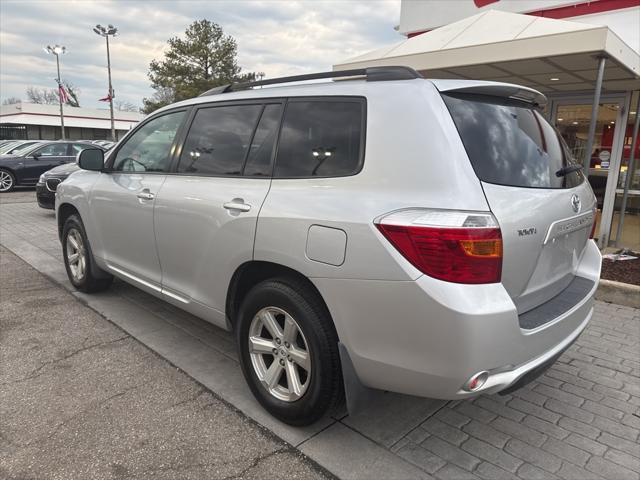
{"x":320,"y":139}
{"x":510,"y":143}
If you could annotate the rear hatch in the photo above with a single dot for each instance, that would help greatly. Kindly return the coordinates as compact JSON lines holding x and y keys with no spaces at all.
{"x":533,"y":186}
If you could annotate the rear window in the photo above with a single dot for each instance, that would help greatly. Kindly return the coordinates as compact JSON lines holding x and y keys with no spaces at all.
{"x":511,"y":143}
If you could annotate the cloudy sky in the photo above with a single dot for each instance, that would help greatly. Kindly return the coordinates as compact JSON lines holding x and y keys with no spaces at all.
{"x":275,"y":37}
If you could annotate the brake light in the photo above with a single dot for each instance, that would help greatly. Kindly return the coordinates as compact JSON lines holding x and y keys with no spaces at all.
{"x":454,"y":246}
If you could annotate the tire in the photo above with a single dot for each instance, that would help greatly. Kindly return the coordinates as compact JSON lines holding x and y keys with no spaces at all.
{"x":7,"y":181}
{"x":318,"y":388}
{"x":82,"y":271}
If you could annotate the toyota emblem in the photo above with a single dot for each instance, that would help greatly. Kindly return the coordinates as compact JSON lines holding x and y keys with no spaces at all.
{"x":575,"y":203}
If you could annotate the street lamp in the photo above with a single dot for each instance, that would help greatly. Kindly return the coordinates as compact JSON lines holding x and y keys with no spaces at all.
{"x":105,"y":32}
{"x":58,"y":50}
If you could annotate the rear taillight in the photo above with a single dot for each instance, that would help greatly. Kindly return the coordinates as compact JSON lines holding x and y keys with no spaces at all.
{"x":460,"y":247}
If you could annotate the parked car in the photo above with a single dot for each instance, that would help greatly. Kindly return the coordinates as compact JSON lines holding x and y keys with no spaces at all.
{"x":8,"y":147}
{"x":24,"y":167}
{"x":49,"y":181}
{"x":18,"y":146}
{"x":427,"y":237}
{"x":106,"y":144}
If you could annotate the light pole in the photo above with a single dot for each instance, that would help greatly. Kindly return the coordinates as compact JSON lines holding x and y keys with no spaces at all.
{"x":105,"y":32}
{"x":58,"y":50}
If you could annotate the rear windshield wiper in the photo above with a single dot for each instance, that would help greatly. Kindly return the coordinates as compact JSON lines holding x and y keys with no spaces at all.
{"x":568,"y":169}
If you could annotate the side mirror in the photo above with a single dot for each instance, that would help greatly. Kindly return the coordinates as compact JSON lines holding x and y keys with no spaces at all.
{"x":91,"y":159}
{"x":36,"y":155}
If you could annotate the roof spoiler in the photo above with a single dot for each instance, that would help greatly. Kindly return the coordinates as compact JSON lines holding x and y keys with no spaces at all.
{"x":371,"y":74}
{"x":495,"y":89}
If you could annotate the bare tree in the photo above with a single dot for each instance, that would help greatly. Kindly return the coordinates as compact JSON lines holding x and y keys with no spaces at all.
{"x":11,"y":101}
{"x":161,"y":97}
{"x":42,"y":95}
{"x":123,"y":106}
{"x":49,"y":96}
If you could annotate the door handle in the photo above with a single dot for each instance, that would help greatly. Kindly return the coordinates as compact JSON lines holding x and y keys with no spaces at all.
{"x":238,"y":205}
{"x":146,"y":195}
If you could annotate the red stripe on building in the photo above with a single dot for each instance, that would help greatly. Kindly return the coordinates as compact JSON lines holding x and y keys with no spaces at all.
{"x":576,"y":10}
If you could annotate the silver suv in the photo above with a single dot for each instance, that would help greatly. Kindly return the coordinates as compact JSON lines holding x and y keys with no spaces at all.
{"x":428,"y":237}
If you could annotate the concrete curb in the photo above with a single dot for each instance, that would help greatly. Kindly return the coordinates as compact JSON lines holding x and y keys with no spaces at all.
{"x":620,"y":293}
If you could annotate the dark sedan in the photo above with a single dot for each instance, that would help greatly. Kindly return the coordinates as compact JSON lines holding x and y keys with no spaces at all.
{"x":49,"y":181}
{"x":25,"y":167}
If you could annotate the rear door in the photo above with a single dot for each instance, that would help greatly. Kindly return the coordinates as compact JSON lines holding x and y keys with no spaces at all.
{"x":206,"y":213}
{"x":545,"y":211}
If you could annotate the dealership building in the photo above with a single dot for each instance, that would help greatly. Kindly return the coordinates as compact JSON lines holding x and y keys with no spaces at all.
{"x":583,"y":55}
{"x":31,"y":121}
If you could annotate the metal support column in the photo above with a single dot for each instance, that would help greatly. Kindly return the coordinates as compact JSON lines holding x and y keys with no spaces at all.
{"x":630,"y":172}
{"x":594,"y":115}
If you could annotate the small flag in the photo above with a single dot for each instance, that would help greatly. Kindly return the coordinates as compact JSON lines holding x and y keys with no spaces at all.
{"x":105,"y":99}
{"x":64,"y":96}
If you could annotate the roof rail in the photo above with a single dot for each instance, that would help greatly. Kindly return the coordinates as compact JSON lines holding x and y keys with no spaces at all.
{"x":370,"y":74}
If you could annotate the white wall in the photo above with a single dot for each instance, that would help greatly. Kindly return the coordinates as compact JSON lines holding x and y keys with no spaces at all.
{"x":420,"y":15}
{"x":625,"y":23}
{"x":417,"y":16}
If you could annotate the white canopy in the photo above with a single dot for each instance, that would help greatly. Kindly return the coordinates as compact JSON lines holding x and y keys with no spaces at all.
{"x":546,"y":54}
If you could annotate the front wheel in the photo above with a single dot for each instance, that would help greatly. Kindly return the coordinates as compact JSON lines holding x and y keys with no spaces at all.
{"x":81,"y":270}
{"x":289,"y":351}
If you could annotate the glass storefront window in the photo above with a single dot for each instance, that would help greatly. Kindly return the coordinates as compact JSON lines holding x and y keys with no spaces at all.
{"x":573,"y":123}
{"x":630,"y":235}
{"x":572,"y":120}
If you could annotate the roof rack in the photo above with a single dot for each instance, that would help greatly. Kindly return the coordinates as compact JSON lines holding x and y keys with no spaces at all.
{"x":371,"y":74}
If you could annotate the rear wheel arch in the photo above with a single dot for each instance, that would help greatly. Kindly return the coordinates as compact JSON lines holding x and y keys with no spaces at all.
{"x":251,"y":273}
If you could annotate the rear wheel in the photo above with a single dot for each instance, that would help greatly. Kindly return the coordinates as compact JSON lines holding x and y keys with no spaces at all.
{"x":78,"y":261}
{"x":289,"y":351}
{"x":7,"y":180}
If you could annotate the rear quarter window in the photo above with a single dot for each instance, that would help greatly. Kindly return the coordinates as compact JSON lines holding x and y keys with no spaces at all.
{"x":321,"y":138}
{"x":510,"y":142}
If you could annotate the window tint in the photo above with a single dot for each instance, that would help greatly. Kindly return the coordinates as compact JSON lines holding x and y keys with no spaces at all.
{"x":320,"y":138}
{"x":259,"y":159}
{"x":149,"y":148}
{"x":54,"y":150}
{"x":510,"y":143}
{"x":218,"y":140}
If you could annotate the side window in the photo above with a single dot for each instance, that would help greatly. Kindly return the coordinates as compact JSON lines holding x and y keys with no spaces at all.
{"x":149,"y":148}
{"x":53,"y":150}
{"x":76,"y":148}
{"x":320,"y":138}
{"x":259,"y":159}
{"x":218,"y":140}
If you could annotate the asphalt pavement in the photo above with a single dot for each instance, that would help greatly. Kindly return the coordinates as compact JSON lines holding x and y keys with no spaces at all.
{"x":82,"y":399}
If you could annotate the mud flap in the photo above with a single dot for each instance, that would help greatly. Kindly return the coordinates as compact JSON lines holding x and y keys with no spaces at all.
{"x":356,"y":394}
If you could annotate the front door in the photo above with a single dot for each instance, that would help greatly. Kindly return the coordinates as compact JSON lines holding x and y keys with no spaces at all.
{"x":43,"y":159}
{"x":123,"y":200}
{"x":206,"y":213}
{"x":572,"y":119}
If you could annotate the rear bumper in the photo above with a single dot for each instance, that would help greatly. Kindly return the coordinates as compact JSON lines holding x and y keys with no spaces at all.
{"x":428,"y":337}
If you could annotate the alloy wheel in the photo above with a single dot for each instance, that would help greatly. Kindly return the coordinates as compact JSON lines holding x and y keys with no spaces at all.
{"x":279,"y":354}
{"x":6,"y":181}
{"x":76,"y":255}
